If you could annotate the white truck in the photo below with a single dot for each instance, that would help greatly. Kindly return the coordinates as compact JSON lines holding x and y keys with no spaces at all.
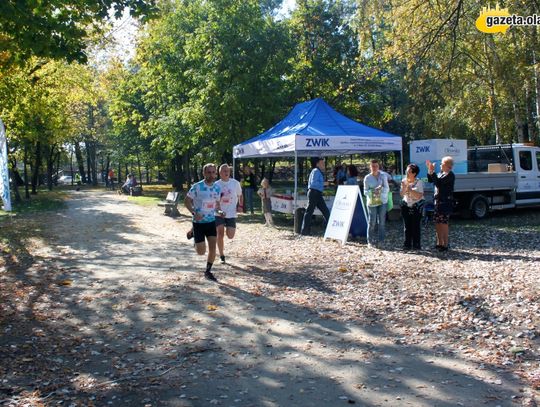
{"x":499,"y":177}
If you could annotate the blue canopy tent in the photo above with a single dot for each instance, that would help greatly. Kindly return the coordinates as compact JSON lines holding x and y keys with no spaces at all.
{"x":313,"y":128}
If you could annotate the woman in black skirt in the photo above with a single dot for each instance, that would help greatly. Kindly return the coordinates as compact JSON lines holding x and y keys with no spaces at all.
{"x":443,"y":198}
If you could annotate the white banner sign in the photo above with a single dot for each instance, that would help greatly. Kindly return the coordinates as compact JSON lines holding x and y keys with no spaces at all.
{"x":342,"y":213}
{"x":348,"y":143}
{"x":434,"y":150}
{"x":4,"y":172}
{"x":317,"y":144}
{"x":262,"y":147}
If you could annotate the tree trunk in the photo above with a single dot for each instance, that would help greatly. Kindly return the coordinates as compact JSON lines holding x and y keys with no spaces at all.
{"x":14,"y":183}
{"x":57,"y":165}
{"x":50,"y":166}
{"x":263,"y":169}
{"x":272,"y":169}
{"x":80,"y":162}
{"x":37,"y":166}
{"x":25,"y":172}
{"x":177,"y":173}
{"x":88,"y":162}
{"x":95,"y":178}
{"x":71,"y":165}
{"x":91,"y":161}
{"x":147,"y":173}
{"x":537,"y":87}
{"x":139,"y":168}
{"x":102,"y":173}
{"x":529,"y":113}
{"x":107,"y":167}
{"x":187,"y":169}
{"x":518,"y":120}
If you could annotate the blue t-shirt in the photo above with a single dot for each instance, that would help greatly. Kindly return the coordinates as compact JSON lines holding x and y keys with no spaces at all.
{"x":205,"y":199}
{"x":341,"y":176}
{"x":316,"y":180}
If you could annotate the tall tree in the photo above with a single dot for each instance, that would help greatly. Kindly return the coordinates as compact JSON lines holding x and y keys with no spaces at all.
{"x":58,"y":29}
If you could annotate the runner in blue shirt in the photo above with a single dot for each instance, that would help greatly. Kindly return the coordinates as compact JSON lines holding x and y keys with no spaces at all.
{"x":202,"y":201}
{"x":315,"y":196}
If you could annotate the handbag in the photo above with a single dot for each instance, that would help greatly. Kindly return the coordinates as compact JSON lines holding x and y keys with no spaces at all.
{"x":390,"y":201}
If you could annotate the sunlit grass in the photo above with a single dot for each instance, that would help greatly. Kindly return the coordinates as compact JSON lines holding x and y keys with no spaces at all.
{"x":44,"y":200}
{"x":145,"y":200}
{"x":152,"y":194}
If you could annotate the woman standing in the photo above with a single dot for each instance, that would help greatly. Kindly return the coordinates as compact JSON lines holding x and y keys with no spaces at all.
{"x":443,"y":199}
{"x":376,"y":191}
{"x":412,"y":194}
{"x":352,"y":175}
{"x":265,"y":192}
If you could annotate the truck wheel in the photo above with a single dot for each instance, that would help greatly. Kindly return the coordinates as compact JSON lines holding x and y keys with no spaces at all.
{"x":479,"y":207}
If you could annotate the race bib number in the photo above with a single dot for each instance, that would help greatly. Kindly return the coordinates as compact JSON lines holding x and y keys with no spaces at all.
{"x":209,"y":205}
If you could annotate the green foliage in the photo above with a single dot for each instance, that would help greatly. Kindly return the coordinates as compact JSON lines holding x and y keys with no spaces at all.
{"x":58,"y":29}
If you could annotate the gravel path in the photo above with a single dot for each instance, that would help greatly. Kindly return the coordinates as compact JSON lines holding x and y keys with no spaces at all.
{"x":119,"y":314}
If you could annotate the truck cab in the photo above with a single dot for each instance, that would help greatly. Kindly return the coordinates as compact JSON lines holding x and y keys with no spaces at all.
{"x":499,"y":177}
{"x":527,"y":168}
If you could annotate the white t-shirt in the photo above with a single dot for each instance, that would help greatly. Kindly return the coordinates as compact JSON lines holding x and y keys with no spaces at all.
{"x":231,"y":191}
{"x":417,"y":186}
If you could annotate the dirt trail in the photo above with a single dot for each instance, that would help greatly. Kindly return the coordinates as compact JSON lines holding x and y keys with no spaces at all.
{"x":142,"y":327}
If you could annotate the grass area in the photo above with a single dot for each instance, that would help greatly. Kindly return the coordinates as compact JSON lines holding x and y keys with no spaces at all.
{"x":152,"y":194}
{"x":145,"y":200}
{"x":45,"y":200}
{"x":157,"y":191}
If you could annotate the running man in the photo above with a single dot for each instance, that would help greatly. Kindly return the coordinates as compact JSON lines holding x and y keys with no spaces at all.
{"x":231,"y":196}
{"x":202,"y":201}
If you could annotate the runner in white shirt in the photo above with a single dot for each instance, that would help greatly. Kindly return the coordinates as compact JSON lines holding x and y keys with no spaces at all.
{"x":231,"y":196}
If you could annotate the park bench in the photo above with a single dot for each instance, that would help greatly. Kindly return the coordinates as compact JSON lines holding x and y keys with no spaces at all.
{"x":171,"y":204}
{"x":135,"y":191}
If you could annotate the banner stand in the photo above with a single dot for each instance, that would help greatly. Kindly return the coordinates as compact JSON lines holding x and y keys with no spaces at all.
{"x":4,"y":170}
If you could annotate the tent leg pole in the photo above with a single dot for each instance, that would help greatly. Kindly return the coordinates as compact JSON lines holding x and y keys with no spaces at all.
{"x":295,"y":191}
{"x":401,"y":154}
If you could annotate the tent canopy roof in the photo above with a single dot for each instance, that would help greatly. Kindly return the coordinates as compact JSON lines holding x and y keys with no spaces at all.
{"x":302,"y":129}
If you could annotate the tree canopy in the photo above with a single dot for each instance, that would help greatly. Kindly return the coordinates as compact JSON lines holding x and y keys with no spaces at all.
{"x":58,"y":29}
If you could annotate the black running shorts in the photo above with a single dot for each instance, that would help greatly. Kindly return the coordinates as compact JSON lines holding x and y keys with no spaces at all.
{"x":204,"y":230}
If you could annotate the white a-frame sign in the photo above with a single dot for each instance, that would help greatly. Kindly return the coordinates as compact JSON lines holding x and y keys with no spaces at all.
{"x":342,"y":213}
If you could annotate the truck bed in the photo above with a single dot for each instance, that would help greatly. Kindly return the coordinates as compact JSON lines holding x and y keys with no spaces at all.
{"x":480,"y":181}
{"x":485,"y":181}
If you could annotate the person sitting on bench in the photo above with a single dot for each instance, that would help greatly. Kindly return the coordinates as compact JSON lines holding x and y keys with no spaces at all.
{"x":130,"y":183}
